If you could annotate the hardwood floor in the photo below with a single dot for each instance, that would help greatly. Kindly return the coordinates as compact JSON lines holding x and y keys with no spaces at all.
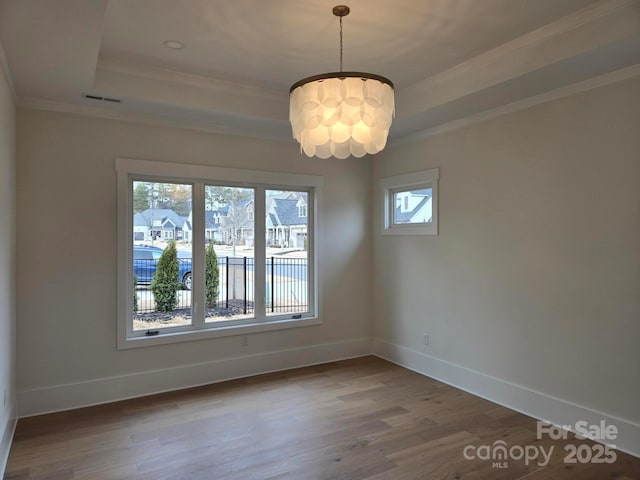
{"x":356,"y":419}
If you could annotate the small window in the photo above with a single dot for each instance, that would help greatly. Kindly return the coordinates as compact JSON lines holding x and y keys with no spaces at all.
{"x":418,"y":206}
{"x":410,"y":203}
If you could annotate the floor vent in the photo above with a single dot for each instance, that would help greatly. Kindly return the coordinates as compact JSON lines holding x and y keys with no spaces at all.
{"x":102,"y":99}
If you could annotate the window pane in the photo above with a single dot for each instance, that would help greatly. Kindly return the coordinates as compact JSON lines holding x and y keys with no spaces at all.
{"x":229,"y":255}
{"x":161,"y":226}
{"x":412,"y":206}
{"x":287,"y":243}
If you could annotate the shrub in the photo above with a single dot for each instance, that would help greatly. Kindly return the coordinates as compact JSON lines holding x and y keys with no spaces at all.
{"x":135,"y":293}
{"x":165,"y":283}
{"x":212,"y":278}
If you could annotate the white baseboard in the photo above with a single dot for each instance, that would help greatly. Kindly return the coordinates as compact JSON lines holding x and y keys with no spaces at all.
{"x":516,"y":397}
{"x":5,"y":443}
{"x":105,"y":390}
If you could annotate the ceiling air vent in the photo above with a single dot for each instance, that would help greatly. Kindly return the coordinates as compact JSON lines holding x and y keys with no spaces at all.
{"x":102,"y":99}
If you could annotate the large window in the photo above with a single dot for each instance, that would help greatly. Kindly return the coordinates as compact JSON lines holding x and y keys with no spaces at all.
{"x":206,"y":251}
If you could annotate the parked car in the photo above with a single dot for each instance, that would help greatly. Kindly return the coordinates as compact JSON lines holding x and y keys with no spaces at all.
{"x":145,"y":263}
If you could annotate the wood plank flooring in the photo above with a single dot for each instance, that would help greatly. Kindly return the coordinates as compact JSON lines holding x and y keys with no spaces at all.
{"x":356,"y":419}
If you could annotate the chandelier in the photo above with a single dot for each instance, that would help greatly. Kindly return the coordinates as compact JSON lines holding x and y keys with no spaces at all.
{"x":341,"y":113}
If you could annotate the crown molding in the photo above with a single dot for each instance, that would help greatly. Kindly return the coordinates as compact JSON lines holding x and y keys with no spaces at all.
{"x":275,"y":134}
{"x":585,"y":16}
{"x":582,"y":17}
{"x":153,"y":73}
{"x":4,"y":65}
{"x":556,"y":94}
{"x":211,"y":127}
{"x":599,"y":24}
{"x":168,"y":90}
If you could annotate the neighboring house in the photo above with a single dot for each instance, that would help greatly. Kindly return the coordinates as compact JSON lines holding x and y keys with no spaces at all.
{"x":286,"y":221}
{"x":238,"y":223}
{"x":160,"y":223}
{"x":413,"y":206}
{"x":213,"y":224}
{"x":187,"y":230}
{"x":212,"y":227}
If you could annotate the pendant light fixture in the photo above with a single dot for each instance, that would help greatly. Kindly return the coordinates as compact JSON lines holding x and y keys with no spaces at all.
{"x":341,"y":113}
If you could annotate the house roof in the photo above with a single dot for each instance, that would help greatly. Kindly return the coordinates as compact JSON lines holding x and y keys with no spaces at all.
{"x":139,"y":220}
{"x":213,"y":218}
{"x":272,"y":220}
{"x":404,"y":217}
{"x":145,"y":219}
{"x":285,"y":212}
{"x":283,"y":196}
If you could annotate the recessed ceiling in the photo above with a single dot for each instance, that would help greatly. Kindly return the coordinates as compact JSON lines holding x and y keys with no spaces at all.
{"x":275,"y":43}
{"x":449,"y":59}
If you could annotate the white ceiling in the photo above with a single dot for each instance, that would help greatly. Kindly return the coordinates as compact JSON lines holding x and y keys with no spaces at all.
{"x":448,"y":58}
{"x":275,"y":43}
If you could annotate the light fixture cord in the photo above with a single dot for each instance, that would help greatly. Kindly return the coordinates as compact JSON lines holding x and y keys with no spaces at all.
{"x":341,"y":44}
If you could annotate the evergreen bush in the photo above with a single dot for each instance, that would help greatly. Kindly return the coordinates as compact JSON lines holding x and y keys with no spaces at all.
{"x":212,"y":277}
{"x":165,"y":283}
{"x":135,"y":293}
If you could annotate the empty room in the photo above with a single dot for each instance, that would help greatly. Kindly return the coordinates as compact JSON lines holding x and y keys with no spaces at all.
{"x":297,"y":239}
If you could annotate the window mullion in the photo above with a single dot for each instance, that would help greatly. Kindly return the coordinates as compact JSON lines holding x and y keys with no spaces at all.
{"x":312,"y":244}
{"x":259,"y":254}
{"x":197,"y":291}
{"x":125,"y":266}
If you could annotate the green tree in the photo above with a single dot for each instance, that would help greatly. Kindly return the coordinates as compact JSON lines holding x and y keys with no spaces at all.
{"x":165,"y":283}
{"x":135,"y":294}
{"x":161,"y":194}
{"x":140,"y":196}
{"x":212,"y":277}
{"x":181,"y":200}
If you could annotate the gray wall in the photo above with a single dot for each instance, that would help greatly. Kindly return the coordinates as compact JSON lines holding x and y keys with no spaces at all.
{"x":534,"y":278}
{"x":66,"y":294}
{"x":535,"y":275}
{"x":7,"y":262}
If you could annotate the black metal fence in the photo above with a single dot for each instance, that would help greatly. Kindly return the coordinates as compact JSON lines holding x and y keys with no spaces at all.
{"x":286,"y":286}
{"x":235,"y":289}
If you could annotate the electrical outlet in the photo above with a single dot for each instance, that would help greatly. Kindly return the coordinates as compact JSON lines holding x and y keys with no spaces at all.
{"x":426,"y":339}
{"x":244,"y":340}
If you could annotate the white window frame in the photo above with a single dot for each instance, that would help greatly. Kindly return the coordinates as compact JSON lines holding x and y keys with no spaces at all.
{"x":402,"y":183}
{"x":130,"y":170}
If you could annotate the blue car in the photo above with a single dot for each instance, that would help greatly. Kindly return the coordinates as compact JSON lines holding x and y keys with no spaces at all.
{"x":145,"y":263}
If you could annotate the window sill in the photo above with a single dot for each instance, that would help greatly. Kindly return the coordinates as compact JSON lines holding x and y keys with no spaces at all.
{"x":410,"y":230}
{"x":217,"y":332}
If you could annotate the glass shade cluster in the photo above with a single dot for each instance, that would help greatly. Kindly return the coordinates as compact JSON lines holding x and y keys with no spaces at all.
{"x":340,"y":115}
